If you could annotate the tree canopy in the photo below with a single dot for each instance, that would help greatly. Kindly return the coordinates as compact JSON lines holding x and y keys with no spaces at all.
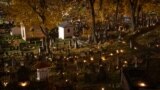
{"x":47,"y":12}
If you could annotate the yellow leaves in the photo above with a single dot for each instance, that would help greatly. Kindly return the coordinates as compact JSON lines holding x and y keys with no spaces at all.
{"x":24,"y":10}
{"x":149,"y":7}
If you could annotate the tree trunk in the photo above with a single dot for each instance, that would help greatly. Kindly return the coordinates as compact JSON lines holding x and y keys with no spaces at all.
{"x":133,"y":7}
{"x":117,"y":10}
{"x":100,"y":4}
{"x":132,"y":20}
{"x":93,"y":36}
{"x":116,"y":16}
{"x":47,"y":41}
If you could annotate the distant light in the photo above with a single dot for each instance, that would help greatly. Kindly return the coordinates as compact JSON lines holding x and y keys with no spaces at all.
{"x":38,"y":78}
{"x":67,"y":58}
{"x":121,"y":51}
{"x":54,"y":47}
{"x":125,"y":62}
{"x":75,"y":56}
{"x":123,"y":42}
{"x":8,"y":70}
{"x":111,"y":54}
{"x":157,"y":45}
{"x":117,"y":51}
{"x":117,"y":67}
{"x":66,"y":80}
{"x":142,"y":84}
{"x":77,"y":74}
{"x":90,"y":50}
{"x":63,"y":73}
{"x":84,"y":61}
{"x":35,"y":56}
{"x":50,"y":59}
{"x":135,"y":48}
{"x":98,"y":47}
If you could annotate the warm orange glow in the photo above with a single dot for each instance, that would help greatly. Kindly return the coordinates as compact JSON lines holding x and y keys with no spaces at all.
{"x":66,"y":80}
{"x":123,"y":42}
{"x":135,"y":48}
{"x":102,"y":89}
{"x":117,"y":51}
{"x":142,"y":84}
{"x":23,"y":84}
{"x":121,"y":50}
{"x":91,"y":58}
{"x":103,"y":58}
{"x":5,"y":83}
{"x":111,"y":54}
{"x":125,"y":62}
{"x":157,"y":45}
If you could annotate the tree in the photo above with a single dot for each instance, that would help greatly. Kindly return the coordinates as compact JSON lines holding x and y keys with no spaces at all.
{"x":117,"y":8}
{"x":45,"y":13}
{"x":135,"y":7}
{"x":93,"y":36}
{"x":100,"y":4}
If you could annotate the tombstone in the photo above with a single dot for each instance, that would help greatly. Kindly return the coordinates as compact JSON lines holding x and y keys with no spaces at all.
{"x":50,"y":42}
{"x":79,"y":43}
{"x":42,"y":44}
{"x":130,"y":44}
{"x":136,"y":62}
{"x":22,"y":53}
{"x":75,"y":44}
{"x":119,"y":36}
{"x":117,"y":62}
{"x":39,"y":50}
{"x":70,"y":43}
{"x":104,"y":34}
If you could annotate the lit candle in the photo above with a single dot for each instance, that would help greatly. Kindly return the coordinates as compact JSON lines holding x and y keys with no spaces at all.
{"x":121,"y":50}
{"x":142,"y":84}
{"x":23,"y":84}
{"x":102,"y":89}
{"x":91,"y":58}
{"x":103,"y":58}
{"x":111,"y":54}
